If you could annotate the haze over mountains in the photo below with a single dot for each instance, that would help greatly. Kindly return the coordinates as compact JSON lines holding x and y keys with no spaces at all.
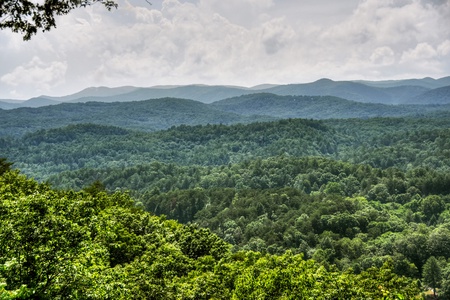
{"x":163,"y":113}
{"x":410,"y":91}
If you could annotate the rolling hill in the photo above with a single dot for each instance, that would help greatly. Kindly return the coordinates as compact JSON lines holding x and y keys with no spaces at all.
{"x":146,"y":115}
{"x":39,"y":101}
{"x":5,"y":104}
{"x":163,"y":113}
{"x":316,"y":107}
{"x":436,"y":96}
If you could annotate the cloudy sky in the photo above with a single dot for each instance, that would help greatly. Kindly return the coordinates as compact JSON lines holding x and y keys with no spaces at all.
{"x":232,"y":42}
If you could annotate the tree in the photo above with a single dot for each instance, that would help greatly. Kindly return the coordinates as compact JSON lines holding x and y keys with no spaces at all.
{"x":94,"y":188}
{"x":431,"y":274}
{"x":432,"y":205}
{"x":439,"y":242}
{"x":27,"y":17}
{"x":378,"y":193}
{"x":4,"y":165}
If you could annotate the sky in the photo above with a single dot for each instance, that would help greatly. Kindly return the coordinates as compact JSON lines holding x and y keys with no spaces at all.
{"x":233,"y":42}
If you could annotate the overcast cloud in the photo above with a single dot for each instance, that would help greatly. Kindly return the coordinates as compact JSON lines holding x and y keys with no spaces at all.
{"x":234,"y":42}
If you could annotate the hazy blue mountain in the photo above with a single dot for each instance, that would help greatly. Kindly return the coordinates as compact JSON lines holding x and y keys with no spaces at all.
{"x":202,"y":93}
{"x":324,"y":87}
{"x":8,"y":104}
{"x":263,"y":86}
{"x":444,"y":81}
{"x":386,"y":92}
{"x":427,"y":82}
{"x":351,"y":91}
{"x":403,"y":94}
{"x":342,"y":89}
{"x":33,"y":102}
{"x":436,"y":96}
{"x":316,"y":107}
{"x":94,"y":92}
{"x":38,"y":102}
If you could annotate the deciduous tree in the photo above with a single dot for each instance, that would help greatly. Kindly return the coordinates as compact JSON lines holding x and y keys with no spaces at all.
{"x":432,"y":274}
{"x":27,"y":17}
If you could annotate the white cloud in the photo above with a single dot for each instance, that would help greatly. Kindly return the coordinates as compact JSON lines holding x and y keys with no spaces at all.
{"x":444,"y":48}
{"x":245,"y":13}
{"x":423,"y":51}
{"x":382,"y":56}
{"x":421,"y":59}
{"x":243,"y":42}
{"x":276,"y":35}
{"x":380,"y":36}
{"x":41,"y":76}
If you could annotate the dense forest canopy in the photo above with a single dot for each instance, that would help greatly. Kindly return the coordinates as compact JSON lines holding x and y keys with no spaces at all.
{"x":404,"y":143}
{"x":254,"y":207}
{"x":94,"y":245}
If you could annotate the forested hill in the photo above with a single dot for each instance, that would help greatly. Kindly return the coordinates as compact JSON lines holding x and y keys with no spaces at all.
{"x":94,"y":245}
{"x":301,"y":208}
{"x":147,"y":115}
{"x":317,"y":107}
{"x":438,"y":96}
{"x":319,"y":226}
{"x":51,"y":151}
{"x":157,"y":114}
{"x":379,"y":142}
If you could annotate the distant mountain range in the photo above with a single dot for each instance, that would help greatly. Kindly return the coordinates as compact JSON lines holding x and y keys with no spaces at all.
{"x":410,"y":91}
{"x":163,"y":113}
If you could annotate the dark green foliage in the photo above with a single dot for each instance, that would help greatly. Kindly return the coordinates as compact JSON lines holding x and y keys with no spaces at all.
{"x":4,"y":165}
{"x":316,"y":107}
{"x":381,"y":143}
{"x":66,"y":244}
{"x":163,"y":113}
{"x":149,"y":115}
{"x":60,"y":244}
{"x":95,"y":188}
{"x":27,"y":17}
{"x":197,"y":242}
{"x":364,"y":199}
{"x":58,"y":150}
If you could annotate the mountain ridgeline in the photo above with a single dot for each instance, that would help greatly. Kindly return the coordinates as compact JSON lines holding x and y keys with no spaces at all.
{"x":412,"y":91}
{"x":159,"y":114}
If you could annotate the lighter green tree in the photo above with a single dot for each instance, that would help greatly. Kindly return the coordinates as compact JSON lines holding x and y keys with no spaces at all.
{"x":432,"y":275}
